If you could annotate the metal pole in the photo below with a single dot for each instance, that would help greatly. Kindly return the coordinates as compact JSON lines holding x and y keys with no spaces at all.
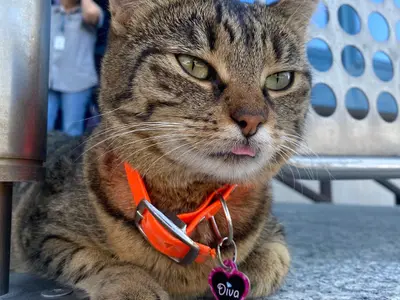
{"x":24,"y":61}
{"x":5,"y":233}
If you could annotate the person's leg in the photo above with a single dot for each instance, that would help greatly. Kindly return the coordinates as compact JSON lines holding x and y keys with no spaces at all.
{"x":54,"y":99}
{"x":93,"y":111}
{"x":74,"y":108}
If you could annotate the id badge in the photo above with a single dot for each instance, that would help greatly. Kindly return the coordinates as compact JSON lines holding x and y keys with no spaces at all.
{"x":59,"y":43}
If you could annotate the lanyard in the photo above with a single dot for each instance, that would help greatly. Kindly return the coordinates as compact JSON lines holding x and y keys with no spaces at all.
{"x":62,"y":25}
{"x":63,"y":18}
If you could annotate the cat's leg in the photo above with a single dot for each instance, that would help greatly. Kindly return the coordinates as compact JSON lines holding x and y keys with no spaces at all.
{"x":93,"y":270}
{"x":268,"y":264}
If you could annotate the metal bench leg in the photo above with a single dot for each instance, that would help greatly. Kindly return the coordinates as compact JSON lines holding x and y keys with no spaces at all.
{"x":325,"y":187}
{"x":292,"y":183}
{"x":391,"y":187}
{"x":5,"y":234}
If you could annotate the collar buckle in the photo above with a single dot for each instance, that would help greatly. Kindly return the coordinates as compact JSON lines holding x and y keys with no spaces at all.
{"x":173,"y":225}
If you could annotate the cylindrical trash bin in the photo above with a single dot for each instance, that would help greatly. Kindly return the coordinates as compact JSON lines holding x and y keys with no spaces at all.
{"x":24,"y":64}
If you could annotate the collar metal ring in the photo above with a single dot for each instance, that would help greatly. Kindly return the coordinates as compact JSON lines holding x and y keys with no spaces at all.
{"x":228,"y":222}
{"x":219,"y":252}
{"x":215,"y":228}
{"x":227,"y":218}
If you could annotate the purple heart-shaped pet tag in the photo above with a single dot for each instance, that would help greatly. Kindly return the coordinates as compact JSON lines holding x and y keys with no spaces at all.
{"x":229,"y":283}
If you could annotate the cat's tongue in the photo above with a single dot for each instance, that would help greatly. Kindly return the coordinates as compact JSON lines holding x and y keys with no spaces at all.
{"x":244,"y":150}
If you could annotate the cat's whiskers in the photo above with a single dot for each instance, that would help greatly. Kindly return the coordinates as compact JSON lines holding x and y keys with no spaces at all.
{"x":192,"y":145}
{"x":297,"y":139}
{"x":103,"y":114}
{"x":310,"y":172}
{"x":141,"y":140}
{"x":289,"y":155}
{"x":275,"y":161}
{"x":138,"y":141}
{"x":126,"y":158}
{"x":293,"y":139}
{"x":309,"y":152}
{"x":155,"y":128}
{"x":124,"y":133}
{"x":286,"y":158}
{"x":181,"y":136}
{"x":294,"y":151}
{"x":156,"y":143}
{"x":122,"y":128}
{"x":125,"y":126}
{"x":165,"y":154}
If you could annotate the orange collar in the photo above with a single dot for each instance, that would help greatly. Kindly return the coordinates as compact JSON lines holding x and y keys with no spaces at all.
{"x":171,"y":235}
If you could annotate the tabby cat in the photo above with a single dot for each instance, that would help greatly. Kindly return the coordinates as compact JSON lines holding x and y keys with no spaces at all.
{"x":195,"y":94}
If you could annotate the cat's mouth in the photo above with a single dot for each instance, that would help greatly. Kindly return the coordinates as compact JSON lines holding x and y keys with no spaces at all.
{"x":244,"y":150}
{"x":237,"y":152}
{"x":229,"y":160}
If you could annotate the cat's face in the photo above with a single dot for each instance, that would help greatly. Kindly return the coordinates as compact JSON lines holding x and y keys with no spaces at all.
{"x":218,"y":86}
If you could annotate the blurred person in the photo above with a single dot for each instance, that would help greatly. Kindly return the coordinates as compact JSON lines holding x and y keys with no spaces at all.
{"x":74,"y":25}
{"x":102,"y":34}
{"x":92,"y":113}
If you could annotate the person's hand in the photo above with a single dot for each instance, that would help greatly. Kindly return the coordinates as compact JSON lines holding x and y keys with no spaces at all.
{"x":91,"y":12}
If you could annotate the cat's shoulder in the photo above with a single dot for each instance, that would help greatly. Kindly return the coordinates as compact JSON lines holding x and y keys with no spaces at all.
{"x":63,"y":165}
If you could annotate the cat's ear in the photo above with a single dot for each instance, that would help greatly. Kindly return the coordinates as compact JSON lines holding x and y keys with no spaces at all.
{"x":297,"y":12}
{"x":129,"y":12}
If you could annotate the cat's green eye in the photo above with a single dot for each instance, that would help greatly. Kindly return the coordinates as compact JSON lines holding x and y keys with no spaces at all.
{"x":194,"y":66}
{"x":279,"y":81}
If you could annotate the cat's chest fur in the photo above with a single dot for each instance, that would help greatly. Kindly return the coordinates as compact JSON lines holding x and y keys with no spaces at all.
{"x":126,"y":243}
{"x":109,"y":189}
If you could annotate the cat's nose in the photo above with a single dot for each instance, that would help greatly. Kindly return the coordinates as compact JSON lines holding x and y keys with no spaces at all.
{"x":248,"y":123}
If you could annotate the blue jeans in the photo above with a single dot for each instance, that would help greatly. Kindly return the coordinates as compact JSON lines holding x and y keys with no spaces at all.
{"x":73,"y":108}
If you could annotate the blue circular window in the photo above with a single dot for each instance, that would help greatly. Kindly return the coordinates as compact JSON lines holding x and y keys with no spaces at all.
{"x":323,"y":100}
{"x":349,"y":19}
{"x":353,"y":61}
{"x":378,"y":27}
{"x":321,"y":16}
{"x":357,"y":103}
{"x":320,"y":55}
{"x":383,"y":66}
{"x":387,"y":107}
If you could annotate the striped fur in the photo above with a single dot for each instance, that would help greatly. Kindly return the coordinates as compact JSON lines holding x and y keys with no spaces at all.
{"x":77,"y":227}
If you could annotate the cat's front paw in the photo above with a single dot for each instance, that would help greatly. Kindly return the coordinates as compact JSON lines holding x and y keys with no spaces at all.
{"x":267,"y":268}
{"x":132,"y":292}
{"x":129,"y":295}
